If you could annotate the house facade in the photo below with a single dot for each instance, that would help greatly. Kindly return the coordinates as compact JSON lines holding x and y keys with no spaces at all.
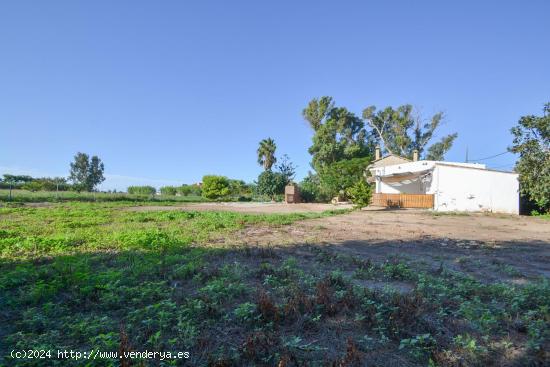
{"x":445,"y":186}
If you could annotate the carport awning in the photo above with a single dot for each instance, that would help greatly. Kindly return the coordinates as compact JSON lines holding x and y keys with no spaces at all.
{"x":402,"y":176}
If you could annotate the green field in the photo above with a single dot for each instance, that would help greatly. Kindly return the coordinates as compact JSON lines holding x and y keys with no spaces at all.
{"x":25,"y":196}
{"x":86,"y":276}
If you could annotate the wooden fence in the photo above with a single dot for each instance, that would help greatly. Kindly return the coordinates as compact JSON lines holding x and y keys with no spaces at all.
{"x":403,"y":200}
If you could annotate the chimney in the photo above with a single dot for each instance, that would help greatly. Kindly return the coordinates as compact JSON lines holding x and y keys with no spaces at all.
{"x":415,"y":155}
{"x":377,"y":153}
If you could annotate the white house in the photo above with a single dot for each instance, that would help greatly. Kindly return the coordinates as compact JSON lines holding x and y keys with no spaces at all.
{"x":447,"y":186}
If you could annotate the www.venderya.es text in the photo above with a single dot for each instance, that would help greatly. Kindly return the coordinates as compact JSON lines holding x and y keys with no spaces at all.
{"x":95,"y":354}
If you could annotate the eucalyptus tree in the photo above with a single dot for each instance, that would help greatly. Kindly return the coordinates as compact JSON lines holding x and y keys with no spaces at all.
{"x":401,"y":131}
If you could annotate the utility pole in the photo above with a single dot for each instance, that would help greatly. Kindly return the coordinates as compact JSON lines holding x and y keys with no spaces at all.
{"x":466,"y":154}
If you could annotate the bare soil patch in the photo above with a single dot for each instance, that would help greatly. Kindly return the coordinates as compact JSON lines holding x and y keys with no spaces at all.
{"x":489,"y":247}
{"x":253,"y":208}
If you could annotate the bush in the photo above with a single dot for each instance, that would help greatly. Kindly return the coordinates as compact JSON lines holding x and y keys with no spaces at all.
{"x":271,"y":184}
{"x":33,"y":186}
{"x":340,"y":176}
{"x":310,"y":190}
{"x":360,"y":193}
{"x":187,"y":190}
{"x":239,"y":188}
{"x":168,"y":190}
{"x":215,"y":187}
{"x":141,"y":190}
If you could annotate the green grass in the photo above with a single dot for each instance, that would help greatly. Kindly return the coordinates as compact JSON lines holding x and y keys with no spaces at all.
{"x":85,"y":276}
{"x":25,"y":196}
{"x":74,"y":227}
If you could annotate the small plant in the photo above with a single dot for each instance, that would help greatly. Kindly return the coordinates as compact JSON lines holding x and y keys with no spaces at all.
{"x":245,"y":311}
{"x":469,"y":344}
{"x":420,"y":346}
{"x":360,"y":193}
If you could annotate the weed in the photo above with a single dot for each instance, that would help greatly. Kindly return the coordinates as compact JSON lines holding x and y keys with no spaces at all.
{"x":419,"y":346}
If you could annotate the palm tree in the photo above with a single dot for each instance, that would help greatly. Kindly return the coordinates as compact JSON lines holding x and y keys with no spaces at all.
{"x":266,"y":153}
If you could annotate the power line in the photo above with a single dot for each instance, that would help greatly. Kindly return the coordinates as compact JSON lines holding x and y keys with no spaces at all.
{"x":483,"y":159}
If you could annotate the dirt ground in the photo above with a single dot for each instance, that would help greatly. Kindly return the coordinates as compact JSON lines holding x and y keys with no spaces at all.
{"x":488,"y":246}
{"x":380,"y":224}
{"x":253,"y":208}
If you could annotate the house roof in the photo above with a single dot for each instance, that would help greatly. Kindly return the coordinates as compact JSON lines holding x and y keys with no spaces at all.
{"x":421,"y":167}
{"x":388,"y":160}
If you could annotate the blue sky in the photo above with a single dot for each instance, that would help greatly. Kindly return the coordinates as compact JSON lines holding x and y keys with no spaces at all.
{"x":167,"y":91}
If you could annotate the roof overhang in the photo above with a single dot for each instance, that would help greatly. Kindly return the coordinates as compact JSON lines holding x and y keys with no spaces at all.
{"x":400,"y":176}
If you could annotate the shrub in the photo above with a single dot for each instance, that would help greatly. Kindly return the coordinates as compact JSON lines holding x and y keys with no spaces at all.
{"x":310,"y":190}
{"x":215,"y":187}
{"x":168,"y":190}
{"x":271,"y":184}
{"x":141,"y":190}
{"x":239,"y":188}
{"x":337,"y":178}
{"x":32,"y":186}
{"x":360,"y":193}
{"x":187,"y":190}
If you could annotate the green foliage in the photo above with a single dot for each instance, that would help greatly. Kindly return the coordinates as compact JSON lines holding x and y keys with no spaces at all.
{"x":86,"y":173}
{"x":246,"y":311}
{"x":169,"y":190}
{"x":35,"y":183}
{"x":141,"y":190}
{"x":436,"y":152}
{"x":266,"y":153}
{"x":215,"y":187}
{"x":16,"y":179}
{"x":271,"y":184}
{"x":419,"y":346}
{"x":469,"y":344}
{"x":340,"y":176}
{"x":360,"y":193}
{"x":286,"y":168}
{"x":239,"y":188}
{"x":401,"y":131}
{"x":338,"y":133}
{"x":89,"y":275}
{"x":187,"y":190}
{"x":32,"y":186}
{"x":21,"y":196}
{"x":310,"y":189}
{"x":532,"y":143}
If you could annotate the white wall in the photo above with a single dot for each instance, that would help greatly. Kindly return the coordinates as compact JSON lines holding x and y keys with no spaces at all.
{"x":414,"y":187}
{"x":457,"y":186}
{"x":465,"y":189}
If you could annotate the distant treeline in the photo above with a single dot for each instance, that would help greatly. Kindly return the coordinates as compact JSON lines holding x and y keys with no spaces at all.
{"x":24,"y":182}
{"x":231,"y":187}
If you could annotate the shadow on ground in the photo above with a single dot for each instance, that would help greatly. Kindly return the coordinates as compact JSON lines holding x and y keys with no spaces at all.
{"x":407,"y":303}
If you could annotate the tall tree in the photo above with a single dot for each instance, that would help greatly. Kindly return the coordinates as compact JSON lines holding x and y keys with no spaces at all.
{"x":317,"y":111}
{"x":338,"y":133}
{"x":286,"y":168}
{"x":266,"y":153}
{"x":532,"y":143}
{"x":401,"y":131}
{"x":436,"y":151}
{"x":86,"y":173}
